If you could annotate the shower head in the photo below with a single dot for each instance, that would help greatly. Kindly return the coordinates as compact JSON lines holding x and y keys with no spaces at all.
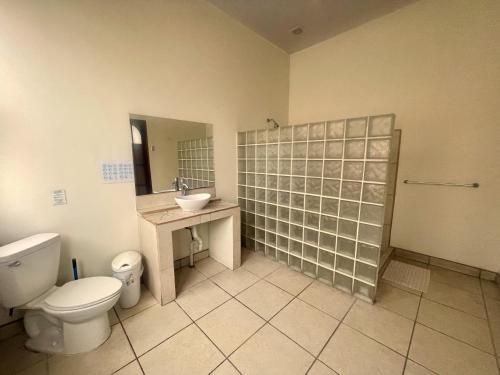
{"x":272,"y":121}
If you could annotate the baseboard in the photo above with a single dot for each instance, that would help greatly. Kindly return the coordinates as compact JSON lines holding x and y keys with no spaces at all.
{"x":448,"y":264}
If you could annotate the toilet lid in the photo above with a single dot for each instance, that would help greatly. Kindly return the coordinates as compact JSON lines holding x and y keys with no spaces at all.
{"x":84,"y":292}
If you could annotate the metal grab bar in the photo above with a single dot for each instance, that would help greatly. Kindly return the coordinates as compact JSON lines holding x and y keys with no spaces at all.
{"x":473,"y":185}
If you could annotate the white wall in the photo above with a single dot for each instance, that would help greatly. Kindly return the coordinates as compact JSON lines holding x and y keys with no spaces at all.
{"x":72,"y":71}
{"x":436,"y":64}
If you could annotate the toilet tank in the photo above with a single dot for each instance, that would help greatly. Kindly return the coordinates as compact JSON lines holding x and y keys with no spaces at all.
{"x":28,"y":268}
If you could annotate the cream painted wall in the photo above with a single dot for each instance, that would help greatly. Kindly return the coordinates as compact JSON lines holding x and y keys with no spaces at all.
{"x":436,"y":64}
{"x":72,"y":72}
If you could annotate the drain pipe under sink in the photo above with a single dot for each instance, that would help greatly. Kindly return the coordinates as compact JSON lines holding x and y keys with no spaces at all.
{"x":196,"y":244}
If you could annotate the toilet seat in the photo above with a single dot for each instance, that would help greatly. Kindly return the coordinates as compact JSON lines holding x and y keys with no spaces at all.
{"x":83,"y":293}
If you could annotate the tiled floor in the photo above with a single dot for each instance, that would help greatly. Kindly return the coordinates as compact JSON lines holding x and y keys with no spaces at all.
{"x":267,"y":319}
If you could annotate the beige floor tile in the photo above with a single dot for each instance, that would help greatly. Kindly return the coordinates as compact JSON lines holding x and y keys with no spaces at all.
{"x":188,"y":352}
{"x":493,"y":307}
{"x":154,"y":325}
{"x":259,"y":265}
{"x":397,"y":300}
{"x":490,"y":289}
{"x":41,"y":368}
{"x":403,"y":288}
{"x":287,"y":279}
{"x":12,"y":329}
{"x":209,"y":267}
{"x":146,"y":300}
{"x":327,"y":299}
{"x":495,"y":331}
{"x":459,"y":299}
{"x":201,"y":299}
{"x":131,"y":369}
{"x":457,"y":280}
{"x":186,"y":278}
{"x":14,"y":357}
{"x":352,"y":353}
{"x":413,"y":368}
{"x":382,"y":325}
{"x":270,"y":352}
{"x":446,"y":355}
{"x":319,"y":368}
{"x":226,"y":368}
{"x":229,"y":325}
{"x":106,"y":359}
{"x":454,"y":323}
{"x":113,"y":318}
{"x":245,"y":254}
{"x":306,"y":325}
{"x":235,"y":281}
{"x":265,"y":299}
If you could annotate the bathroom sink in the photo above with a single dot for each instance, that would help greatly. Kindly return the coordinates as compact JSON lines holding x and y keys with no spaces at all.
{"x":193,"y":202}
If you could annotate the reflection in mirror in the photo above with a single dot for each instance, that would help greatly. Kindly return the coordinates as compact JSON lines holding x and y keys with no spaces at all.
{"x":169,"y":153}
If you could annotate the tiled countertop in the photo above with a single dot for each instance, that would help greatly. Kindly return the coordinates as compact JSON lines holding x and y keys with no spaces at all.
{"x":162,"y":215}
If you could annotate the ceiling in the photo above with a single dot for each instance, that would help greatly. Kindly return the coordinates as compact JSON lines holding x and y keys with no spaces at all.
{"x":319,"y":19}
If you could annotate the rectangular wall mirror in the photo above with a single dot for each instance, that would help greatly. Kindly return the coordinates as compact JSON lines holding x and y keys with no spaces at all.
{"x":169,"y":152}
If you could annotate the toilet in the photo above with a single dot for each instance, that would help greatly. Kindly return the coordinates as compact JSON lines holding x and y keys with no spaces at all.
{"x":69,"y":319}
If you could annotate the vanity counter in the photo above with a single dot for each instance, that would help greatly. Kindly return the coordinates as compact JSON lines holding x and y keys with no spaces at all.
{"x":156,"y":225}
{"x":169,"y":214}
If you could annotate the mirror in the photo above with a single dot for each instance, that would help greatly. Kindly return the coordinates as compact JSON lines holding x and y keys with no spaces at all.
{"x":169,"y":152}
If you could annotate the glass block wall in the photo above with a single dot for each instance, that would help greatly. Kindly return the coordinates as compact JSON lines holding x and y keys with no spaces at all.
{"x":313,"y":196}
{"x":195,"y":159}
{"x":386,"y":249}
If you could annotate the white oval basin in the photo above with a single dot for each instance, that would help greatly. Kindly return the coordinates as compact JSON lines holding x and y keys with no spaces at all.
{"x":193,"y":202}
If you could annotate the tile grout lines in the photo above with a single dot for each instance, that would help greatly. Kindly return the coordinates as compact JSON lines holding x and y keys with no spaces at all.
{"x":267,"y":321}
{"x":316,"y":358}
{"x":131,"y":347}
{"x":411,"y":335}
{"x":192,"y":321}
{"x":495,"y":349}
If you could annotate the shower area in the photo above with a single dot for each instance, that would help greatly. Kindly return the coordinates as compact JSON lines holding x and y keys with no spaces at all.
{"x":319,"y":197}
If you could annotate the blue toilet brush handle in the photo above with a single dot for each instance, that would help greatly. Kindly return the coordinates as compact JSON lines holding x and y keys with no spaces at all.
{"x":75,"y":269}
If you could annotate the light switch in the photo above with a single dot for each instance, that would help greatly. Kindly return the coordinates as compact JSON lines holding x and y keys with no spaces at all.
{"x":59,"y":197}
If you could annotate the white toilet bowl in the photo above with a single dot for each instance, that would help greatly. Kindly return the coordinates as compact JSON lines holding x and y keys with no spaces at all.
{"x":83,"y":306}
{"x":69,"y":319}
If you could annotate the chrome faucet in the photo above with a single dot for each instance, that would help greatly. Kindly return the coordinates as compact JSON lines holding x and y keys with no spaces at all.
{"x":175,"y":183}
{"x":184,"y":187}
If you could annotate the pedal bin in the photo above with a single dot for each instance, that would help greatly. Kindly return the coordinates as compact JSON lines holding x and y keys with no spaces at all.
{"x":128,"y":268}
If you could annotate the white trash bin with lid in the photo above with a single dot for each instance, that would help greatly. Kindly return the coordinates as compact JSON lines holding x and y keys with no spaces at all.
{"x":128,"y":268}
